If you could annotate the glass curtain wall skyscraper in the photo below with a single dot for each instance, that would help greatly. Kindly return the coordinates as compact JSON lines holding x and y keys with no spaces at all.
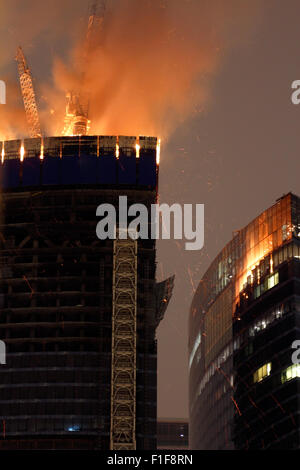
{"x":243,"y":320}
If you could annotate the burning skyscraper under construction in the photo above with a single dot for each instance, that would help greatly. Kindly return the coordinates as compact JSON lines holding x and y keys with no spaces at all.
{"x":78,"y":314}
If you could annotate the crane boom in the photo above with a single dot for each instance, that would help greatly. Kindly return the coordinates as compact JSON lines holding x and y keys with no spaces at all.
{"x":28,"y":94}
{"x":96,"y":17}
{"x":76,"y":116}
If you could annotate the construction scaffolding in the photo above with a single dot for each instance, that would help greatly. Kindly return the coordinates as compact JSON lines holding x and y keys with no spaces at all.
{"x":123,"y":365}
{"x":77,"y":312}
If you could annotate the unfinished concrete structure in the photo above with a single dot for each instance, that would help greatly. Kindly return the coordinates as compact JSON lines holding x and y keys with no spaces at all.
{"x":78,"y":314}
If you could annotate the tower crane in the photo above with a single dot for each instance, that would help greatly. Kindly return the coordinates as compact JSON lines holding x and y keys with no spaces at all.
{"x":76,"y":120}
{"x":28,"y":95}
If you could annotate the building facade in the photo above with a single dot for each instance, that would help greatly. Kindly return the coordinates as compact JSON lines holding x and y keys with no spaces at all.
{"x":78,"y":314}
{"x":244,"y":318}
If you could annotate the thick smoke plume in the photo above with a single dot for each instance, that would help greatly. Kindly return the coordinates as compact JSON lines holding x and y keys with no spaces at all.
{"x":152,"y":68}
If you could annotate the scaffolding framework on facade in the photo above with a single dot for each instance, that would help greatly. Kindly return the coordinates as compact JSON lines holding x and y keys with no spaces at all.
{"x":123,"y":366}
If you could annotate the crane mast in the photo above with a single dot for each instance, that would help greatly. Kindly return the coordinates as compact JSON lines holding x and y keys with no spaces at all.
{"x":96,"y":17}
{"x":76,"y":120}
{"x":28,"y":95}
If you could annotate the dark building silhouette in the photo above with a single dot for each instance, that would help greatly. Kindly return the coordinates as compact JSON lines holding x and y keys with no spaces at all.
{"x":172,"y":434}
{"x":78,"y":314}
{"x":244,"y":318}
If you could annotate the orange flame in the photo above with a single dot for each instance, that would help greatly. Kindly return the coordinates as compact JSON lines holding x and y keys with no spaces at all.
{"x":2,"y":153}
{"x":42,"y":150}
{"x":137,"y":151}
{"x":22,"y":152}
{"x":158,"y":152}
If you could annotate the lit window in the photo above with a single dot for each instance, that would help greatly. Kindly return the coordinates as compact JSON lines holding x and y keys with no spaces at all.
{"x":290,"y":373}
{"x":273,"y":280}
{"x":262,"y":372}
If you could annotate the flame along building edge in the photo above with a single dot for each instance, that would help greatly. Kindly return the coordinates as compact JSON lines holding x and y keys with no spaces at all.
{"x":78,"y":315}
{"x":245,"y":315}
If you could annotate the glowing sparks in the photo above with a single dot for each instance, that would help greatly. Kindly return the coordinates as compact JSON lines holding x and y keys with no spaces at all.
{"x":117,"y":151}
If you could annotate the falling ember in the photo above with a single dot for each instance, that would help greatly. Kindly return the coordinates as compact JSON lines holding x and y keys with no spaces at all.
{"x":158,"y":152}
{"x":117,"y":151}
{"x":22,"y":152}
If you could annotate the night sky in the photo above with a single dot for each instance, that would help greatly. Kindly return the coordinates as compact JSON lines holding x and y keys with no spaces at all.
{"x":237,"y":157}
{"x":234,"y":143}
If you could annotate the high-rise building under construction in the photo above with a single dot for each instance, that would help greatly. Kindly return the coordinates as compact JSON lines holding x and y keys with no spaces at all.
{"x":78,"y":314}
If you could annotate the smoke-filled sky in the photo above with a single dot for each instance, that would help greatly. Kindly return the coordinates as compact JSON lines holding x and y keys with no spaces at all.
{"x":212,"y":78}
{"x":149,"y":70}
